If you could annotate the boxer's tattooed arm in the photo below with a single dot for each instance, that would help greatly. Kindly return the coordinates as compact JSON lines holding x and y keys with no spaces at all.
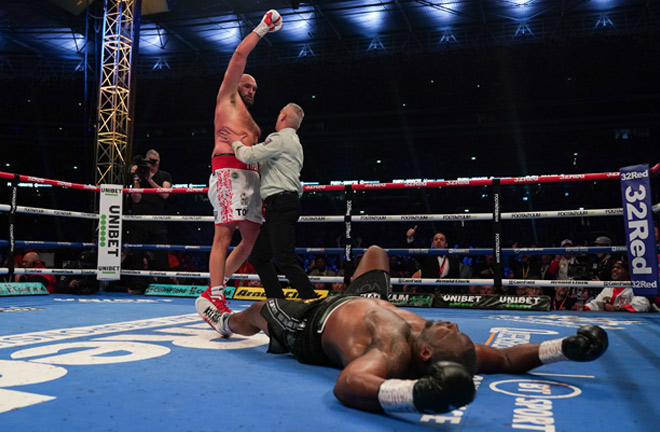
{"x":390,"y":335}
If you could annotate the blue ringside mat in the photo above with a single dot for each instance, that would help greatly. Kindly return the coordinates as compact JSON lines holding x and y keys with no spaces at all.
{"x":114,"y":362}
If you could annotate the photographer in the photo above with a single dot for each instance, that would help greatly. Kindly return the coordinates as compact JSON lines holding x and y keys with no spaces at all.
{"x":79,"y":284}
{"x":568,"y":266}
{"x":598,"y":267}
{"x":145,"y":174}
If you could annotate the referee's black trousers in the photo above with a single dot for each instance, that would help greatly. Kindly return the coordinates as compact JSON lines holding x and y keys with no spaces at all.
{"x":277,"y":239}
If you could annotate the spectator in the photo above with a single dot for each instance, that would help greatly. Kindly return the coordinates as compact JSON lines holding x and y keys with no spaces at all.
{"x":18,"y":262}
{"x":173,"y":261}
{"x":521,"y":290}
{"x":655,"y":301}
{"x":527,"y":266}
{"x":245,"y":268}
{"x":604,"y":260}
{"x":534,"y":291}
{"x":437,"y":266}
{"x":339,"y":286}
{"x":486,"y":268}
{"x":543,"y":291}
{"x":399,"y":267}
{"x":79,"y":284}
{"x":588,"y":294}
{"x":506,"y":290}
{"x":487,"y":290}
{"x":137,"y":285}
{"x":339,"y":265}
{"x":619,"y":299}
{"x":320,"y":268}
{"x":561,"y":299}
{"x":31,"y":260}
{"x":559,"y":267}
{"x":544,"y":267}
{"x":474,"y":289}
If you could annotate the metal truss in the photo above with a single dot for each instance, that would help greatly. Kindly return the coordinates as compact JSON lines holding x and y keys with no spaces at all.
{"x":114,"y":108}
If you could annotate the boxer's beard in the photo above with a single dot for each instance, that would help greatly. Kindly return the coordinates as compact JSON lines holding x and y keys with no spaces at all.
{"x":247,"y":103}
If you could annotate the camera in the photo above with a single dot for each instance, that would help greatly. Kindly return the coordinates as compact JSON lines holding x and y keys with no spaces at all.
{"x":583,"y":271}
{"x":142,"y":170}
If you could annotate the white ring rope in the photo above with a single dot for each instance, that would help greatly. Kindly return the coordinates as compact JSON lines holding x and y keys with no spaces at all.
{"x":140,"y":218}
{"x":50,"y":212}
{"x":468,"y":216}
{"x":340,"y":279}
{"x":21,"y":270}
{"x":356,"y":218}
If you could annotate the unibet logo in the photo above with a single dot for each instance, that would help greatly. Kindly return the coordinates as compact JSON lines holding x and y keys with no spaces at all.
{"x":102,"y":231}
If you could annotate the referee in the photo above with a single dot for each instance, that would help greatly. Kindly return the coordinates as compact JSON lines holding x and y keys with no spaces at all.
{"x":280,"y":160}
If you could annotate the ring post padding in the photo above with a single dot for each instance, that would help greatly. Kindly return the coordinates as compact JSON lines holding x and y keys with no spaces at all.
{"x":12,"y":237}
{"x":349,"y":267}
{"x":497,"y":234}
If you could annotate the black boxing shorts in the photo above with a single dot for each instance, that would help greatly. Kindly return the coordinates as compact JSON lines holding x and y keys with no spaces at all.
{"x":297,"y":327}
{"x":372,"y":284}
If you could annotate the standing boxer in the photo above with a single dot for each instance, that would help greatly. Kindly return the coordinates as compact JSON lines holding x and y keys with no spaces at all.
{"x":233,"y":185}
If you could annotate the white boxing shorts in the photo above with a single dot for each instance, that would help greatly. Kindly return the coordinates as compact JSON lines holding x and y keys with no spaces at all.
{"x":234,"y":191}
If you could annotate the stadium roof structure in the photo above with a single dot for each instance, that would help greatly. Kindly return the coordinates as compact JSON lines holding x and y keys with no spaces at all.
{"x":61,"y":37}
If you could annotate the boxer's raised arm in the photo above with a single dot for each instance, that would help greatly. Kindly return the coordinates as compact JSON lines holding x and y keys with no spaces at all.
{"x":270,"y":23}
{"x":236,"y":66}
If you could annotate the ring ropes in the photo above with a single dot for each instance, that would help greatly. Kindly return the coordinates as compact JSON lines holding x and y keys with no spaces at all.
{"x":496,"y":216}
